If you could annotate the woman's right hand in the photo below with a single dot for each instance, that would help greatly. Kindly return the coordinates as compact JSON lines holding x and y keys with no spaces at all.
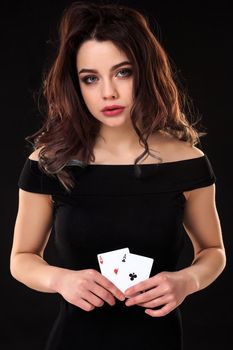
{"x":87,"y":289}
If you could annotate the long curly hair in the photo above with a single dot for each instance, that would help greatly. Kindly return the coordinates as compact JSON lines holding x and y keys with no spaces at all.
{"x":69,"y":128}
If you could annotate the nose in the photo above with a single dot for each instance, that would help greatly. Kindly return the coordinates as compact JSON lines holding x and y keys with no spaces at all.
{"x":109,"y":90}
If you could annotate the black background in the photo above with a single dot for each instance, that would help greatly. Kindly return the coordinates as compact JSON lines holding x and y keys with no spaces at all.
{"x":198,"y":38}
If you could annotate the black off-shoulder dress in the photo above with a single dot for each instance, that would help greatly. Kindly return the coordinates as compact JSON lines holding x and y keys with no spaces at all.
{"x":111,"y":208}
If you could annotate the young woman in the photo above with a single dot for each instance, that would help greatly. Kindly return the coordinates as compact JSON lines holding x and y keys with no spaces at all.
{"x":115,"y":165}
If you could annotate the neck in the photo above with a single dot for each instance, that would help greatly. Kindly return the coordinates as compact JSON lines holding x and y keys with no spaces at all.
{"x":118,"y":140}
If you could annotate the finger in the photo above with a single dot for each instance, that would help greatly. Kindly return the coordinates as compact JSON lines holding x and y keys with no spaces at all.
{"x":82,"y":304}
{"x":93,"y":299}
{"x":103,"y":294}
{"x":145,"y":296}
{"x":140,"y":287}
{"x":107,"y":284}
{"x":141,"y":298}
{"x":161,"y":312}
{"x":155,"y":302}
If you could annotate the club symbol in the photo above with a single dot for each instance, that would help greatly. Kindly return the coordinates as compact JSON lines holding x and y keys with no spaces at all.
{"x":132,"y":276}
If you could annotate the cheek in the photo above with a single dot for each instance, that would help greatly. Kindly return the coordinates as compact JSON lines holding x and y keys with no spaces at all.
{"x":88,"y":96}
{"x":90,"y":99}
{"x":127,"y":90}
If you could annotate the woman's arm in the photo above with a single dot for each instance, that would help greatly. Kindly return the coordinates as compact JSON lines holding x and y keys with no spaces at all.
{"x":31,"y":234}
{"x":202,"y":224}
{"x":169,"y":289}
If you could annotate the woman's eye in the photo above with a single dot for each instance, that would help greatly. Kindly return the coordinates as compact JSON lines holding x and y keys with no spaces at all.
{"x":127,"y":70}
{"x":87,"y":80}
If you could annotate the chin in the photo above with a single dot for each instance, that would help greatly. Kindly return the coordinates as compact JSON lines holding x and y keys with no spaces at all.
{"x":115,"y":122}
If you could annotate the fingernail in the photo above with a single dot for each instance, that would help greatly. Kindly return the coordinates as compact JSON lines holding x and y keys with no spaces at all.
{"x":122,"y":297}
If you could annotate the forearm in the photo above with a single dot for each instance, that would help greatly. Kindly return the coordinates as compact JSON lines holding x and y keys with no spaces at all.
{"x":31,"y":270}
{"x":206,"y":267}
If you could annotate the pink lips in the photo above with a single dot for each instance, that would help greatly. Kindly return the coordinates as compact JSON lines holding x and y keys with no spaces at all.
{"x":111,"y":107}
{"x":112,"y":112}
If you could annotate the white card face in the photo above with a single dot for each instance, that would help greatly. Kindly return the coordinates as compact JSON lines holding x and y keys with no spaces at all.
{"x":111,"y":262}
{"x":136,"y":269}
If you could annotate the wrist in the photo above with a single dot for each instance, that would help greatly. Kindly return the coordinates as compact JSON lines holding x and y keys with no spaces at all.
{"x":191,"y":281}
{"x":55,"y":278}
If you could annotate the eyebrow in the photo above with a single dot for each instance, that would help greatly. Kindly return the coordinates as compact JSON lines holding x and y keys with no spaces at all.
{"x":87,"y":70}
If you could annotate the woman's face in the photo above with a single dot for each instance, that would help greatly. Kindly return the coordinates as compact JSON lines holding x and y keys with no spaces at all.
{"x":107,"y":85}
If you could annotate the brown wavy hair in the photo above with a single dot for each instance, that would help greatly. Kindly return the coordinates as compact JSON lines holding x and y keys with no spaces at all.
{"x":69,"y":128}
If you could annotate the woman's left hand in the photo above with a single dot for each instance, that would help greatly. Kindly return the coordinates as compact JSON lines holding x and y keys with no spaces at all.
{"x":166,"y":288}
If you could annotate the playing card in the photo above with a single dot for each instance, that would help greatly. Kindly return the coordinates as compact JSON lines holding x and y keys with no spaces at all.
{"x":111,"y":262}
{"x":136,"y":269}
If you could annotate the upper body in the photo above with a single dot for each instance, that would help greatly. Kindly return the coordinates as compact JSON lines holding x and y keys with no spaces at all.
{"x":78,"y":128}
{"x":200,"y":218}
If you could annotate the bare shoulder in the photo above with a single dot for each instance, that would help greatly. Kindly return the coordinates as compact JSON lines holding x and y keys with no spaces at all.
{"x":183,"y":150}
{"x":35,"y":154}
{"x":172,"y":149}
